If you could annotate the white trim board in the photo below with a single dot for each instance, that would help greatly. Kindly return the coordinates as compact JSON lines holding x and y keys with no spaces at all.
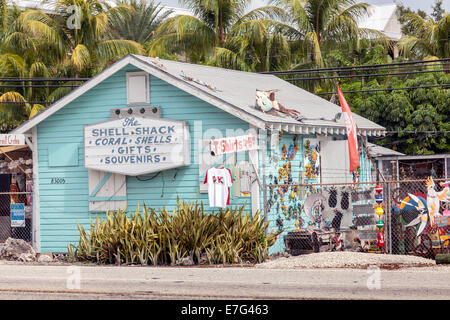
{"x":35,"y":220}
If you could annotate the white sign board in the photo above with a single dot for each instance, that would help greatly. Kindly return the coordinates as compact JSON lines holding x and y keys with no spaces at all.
{"x":134,"y":145}
{"x":17,"y":214}
{"x":233,"y":144}
{"x":12,"y":140}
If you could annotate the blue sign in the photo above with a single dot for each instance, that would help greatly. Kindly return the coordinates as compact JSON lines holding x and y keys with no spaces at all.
{"x":17,"y":215}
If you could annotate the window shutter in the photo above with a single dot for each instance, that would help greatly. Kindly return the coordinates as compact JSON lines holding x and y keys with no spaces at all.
{"x":138,"y":88}
{"x":107,"y":191}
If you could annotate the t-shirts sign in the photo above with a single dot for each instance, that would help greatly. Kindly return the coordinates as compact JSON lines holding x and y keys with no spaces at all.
{"x":233,"y":144}
{"x":135,"y":145}
{"x":219,"y":181}
{"x":17,"y":214}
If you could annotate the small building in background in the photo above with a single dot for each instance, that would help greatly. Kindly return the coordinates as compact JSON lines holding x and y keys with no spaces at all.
{"x":384,"y":18}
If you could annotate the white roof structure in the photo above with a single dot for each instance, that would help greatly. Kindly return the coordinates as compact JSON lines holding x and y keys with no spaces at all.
{"x":383,"y":18}
{"x":46,"y":6}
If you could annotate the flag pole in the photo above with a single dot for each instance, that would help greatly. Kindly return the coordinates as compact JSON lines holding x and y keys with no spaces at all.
{"x":368,"y":153}
{"x":359,"y":133}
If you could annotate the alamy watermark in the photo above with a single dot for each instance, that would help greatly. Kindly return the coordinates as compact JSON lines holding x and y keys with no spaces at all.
{"x":374,"y":280}
{"x":74,"y":19}
{"x":74,"y":278}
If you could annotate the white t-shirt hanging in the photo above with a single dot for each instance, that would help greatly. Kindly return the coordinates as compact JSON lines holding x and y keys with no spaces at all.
{"x":219,"y":182}
{"x":247,"y":176}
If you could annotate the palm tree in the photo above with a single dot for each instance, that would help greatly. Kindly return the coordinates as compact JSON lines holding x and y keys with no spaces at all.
{"x":3,"y":16}
{"x":220,"y":33}
{"x":254,"y":45}
{"x":87,"y":40}
{"x":318,"y":26}
{"x":429,"y":39}
{"x":37,"y":44}
{"x":140,"y":23}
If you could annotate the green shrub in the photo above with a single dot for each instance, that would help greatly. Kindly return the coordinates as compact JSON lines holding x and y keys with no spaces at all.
{"x":163,"y":237}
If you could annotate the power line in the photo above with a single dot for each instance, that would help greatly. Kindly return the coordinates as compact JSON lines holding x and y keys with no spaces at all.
{"x":371,"y":69}
{"x":419,"y":131}
{"x":387,"y":89}
{"x":38,"y":86}
{"x":399,"y":68}
{"x":354,"y":67}
{"x":10,"y":79}
{"x":366,"y":75}
{"x":30,"y":102}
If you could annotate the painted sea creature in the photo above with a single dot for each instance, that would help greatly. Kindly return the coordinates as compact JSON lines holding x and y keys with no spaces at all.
{"x":422,"y":218}
{"x":434,"y":198}
{"x":313,"y":203}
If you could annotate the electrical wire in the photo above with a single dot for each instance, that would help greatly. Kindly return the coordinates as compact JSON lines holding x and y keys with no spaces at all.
{"x":365,"y":75}
{"x":30,"y":102}
{"x":420,"y":131}
{"x":381,"y":69}
{"x":354,"y":67}
{"x":11,"y":79}
{"x":387,"y":89}
{"x":39,"y":86}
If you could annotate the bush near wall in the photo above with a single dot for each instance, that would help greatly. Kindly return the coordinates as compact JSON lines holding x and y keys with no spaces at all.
{"x":165,"y":238}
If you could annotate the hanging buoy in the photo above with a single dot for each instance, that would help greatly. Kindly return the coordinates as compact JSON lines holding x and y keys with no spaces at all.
{"x":380,"y":224}
{"x":380,"y":238}
{"x":379,"y":198}
{"x":379,"y":211}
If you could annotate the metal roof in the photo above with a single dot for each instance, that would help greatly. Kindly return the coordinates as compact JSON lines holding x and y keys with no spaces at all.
{"x":235,"y":94}
{"x":379,"y":151}
{"x":238,"y":88}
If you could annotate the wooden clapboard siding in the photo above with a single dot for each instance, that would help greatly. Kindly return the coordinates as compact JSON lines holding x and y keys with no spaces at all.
{"x":62,"y":206}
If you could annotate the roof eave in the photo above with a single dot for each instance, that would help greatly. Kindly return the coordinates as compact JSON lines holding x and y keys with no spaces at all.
{"x":323,"y":130}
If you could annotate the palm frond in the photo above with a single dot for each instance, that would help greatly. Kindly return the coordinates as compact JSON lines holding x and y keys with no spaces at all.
{"x":228,"y":59}
{"x":81,"y":58}
{"x":111,"y":50}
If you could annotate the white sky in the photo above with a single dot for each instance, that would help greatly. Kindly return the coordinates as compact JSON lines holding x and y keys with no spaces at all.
{"x":424,"y":5}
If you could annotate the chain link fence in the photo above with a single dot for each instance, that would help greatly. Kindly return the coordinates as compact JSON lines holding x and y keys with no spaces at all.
{"x":414,"y":218}
{"x":419,"y":217}
{"x":16,"y":215}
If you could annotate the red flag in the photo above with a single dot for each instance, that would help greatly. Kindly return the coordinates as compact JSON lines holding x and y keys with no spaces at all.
{"x":351,"y":131}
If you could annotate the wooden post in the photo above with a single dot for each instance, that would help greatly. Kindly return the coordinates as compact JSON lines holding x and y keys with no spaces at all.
{"x":368,"y":153}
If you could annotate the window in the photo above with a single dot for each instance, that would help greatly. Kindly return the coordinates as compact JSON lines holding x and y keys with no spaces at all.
{"x":138,"y":88}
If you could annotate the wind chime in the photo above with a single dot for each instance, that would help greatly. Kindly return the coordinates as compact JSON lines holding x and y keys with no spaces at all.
{"x":379,"y":212}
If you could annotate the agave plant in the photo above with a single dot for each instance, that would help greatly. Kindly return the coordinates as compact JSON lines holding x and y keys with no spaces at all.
{"x":163,"y":237}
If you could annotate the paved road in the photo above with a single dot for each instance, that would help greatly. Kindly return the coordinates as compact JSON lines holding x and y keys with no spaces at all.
{"x":19,"y":281}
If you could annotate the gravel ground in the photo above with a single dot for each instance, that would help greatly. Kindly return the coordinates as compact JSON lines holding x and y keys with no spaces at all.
{"x":346,"y":260}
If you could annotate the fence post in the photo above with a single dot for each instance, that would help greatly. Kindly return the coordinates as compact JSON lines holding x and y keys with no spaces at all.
{"x":388,"y":216}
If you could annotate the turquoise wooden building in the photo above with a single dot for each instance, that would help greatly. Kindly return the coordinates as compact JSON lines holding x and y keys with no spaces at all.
{"x":80,"y":171}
